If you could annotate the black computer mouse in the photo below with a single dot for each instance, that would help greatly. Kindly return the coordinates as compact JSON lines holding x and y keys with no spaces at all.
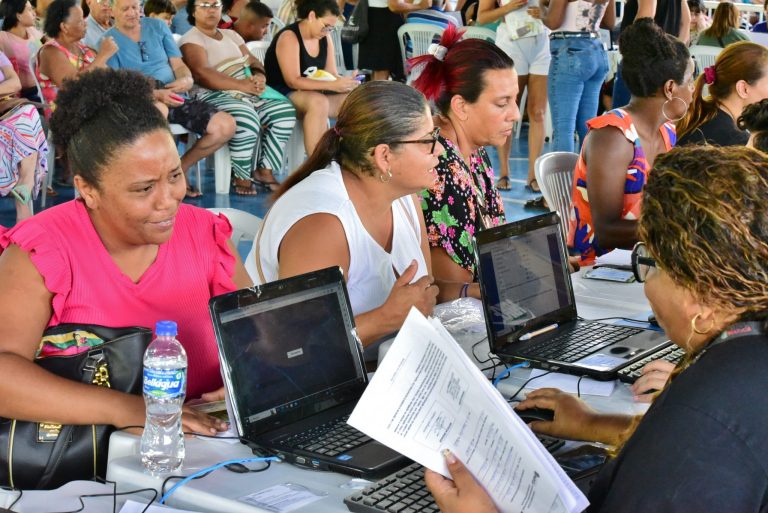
{"x":652,"y":321}
{"x":532,"y":414}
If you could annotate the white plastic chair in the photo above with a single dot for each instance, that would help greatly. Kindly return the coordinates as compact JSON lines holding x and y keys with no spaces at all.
{"x":760,"y":38}
{"x":258,"y":49}
{"x":554,"y":174}
{"x":421,"y":35}
{"x":704,"y":55}
{"x":222,"y":165}
{"x":472,"y":32}
{"x":51,"y":147}
{"x":245,"y":225}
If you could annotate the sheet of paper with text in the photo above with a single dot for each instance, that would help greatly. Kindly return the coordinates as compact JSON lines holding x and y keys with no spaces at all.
{"x":427,"y":396}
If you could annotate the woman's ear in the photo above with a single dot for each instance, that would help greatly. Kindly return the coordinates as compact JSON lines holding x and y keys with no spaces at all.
{"x":741,"y":88}
{"x":382,"y":154}
{"x":669,"y":89}
{"x":459,"y":107}
{"x":88,"y":192}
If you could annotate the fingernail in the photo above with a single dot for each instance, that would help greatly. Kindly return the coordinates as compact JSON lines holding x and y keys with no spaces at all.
{"x":449,"y":457}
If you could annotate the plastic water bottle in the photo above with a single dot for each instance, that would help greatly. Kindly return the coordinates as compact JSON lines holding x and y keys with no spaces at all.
{"x":165,"y":384}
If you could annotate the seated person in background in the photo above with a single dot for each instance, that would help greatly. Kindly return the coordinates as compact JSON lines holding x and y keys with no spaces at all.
{"x":230,"y":12}
{"x":126,"y":253}
{"x":353,"y":204}
{"x":254,"y":21}
{"x":23,"y":148}
{"x":738,"y":78}
{"x":725,"y":27}
{"x":754,"y":119}
{"x":64,"y":56}
{"x":473,"y":85}
{"x":622,"y":144}
{"x":99,"y":20}
{"x":18,"y":40}
{"x":146,"y":45}
{"x":701,"y":446}
{"x":761,"y":26}
{"x":180,"y":23}
{"x":699,"y":20}
{"x":435,"y":15}
{"x":299,"y":50}
{"x":160,"y":9}
{"x":233,"y":80}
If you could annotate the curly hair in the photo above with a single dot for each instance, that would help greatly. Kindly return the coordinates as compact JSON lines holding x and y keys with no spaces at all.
{"x":755,"y":119}
{"x":457,"y":74}
{"x":99,"y":113}
{"x":705,"y":220}
{"x":651,"y":57}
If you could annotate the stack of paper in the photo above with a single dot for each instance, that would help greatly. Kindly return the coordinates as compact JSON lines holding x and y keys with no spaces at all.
{"x":619,"y":258}
{"x":427,"y":396}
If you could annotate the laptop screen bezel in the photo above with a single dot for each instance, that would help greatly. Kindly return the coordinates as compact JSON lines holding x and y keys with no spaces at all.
{"x":560,"y":316}
{"x":352,"y":391}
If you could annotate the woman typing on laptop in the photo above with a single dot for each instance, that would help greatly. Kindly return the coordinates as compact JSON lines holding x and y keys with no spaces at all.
{"x":701,"y":446}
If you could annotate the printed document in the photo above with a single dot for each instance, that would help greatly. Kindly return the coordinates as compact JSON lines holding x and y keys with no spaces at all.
{"x":427,"y":396}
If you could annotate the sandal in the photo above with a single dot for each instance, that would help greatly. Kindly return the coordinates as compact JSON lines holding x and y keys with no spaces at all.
{"x":536,"y":203}
{"x":533,"y":186}
{"x":192,"y":192}
{"x":22,"y":193}
{"x":263,"y":184}
{"x":264,"y":179}
{"x":504,"y":184}
{"x":51,"y":192}
{"x":244,"y":187}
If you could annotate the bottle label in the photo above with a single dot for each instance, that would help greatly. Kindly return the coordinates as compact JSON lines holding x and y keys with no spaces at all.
{"x":164,"y":383}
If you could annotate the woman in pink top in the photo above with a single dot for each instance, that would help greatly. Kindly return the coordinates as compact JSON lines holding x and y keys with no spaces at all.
{"x":126,"y":253}
{"x":18,"y":40}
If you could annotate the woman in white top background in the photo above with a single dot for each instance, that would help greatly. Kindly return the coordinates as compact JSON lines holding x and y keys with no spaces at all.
{"x":579,"y":63}
{"x":352,"y":204}
{"x":523,"y":37}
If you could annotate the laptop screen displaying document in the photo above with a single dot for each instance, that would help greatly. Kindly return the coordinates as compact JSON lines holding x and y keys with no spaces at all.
{"x":525,"y":280}
{"x":289,"y":356}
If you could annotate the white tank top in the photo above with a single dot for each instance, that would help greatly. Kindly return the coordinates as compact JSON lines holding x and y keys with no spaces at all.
{"x":582,"y":16}
{"x":371,"y":273}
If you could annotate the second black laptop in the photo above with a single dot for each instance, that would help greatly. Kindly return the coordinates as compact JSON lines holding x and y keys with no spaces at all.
{"x":293,"y":370}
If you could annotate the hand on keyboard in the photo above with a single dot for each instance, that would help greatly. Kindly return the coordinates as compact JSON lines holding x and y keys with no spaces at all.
{"x":654,"y":378}
{"x":462,"y":495}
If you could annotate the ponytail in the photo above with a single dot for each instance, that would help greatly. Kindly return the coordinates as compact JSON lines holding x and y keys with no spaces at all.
{"x":701,"y":110}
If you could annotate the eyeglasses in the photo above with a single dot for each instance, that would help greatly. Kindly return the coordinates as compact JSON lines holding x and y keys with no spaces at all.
{"x":432,"y":140}
{"x":209,"y":5}
{"x":641,"y":262}
{"x":328,"y":28}
{"x":143,"y":51}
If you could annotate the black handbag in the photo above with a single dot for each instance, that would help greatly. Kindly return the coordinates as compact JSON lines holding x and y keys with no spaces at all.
{"x":355,"y":27}
{"x":46,"y":455}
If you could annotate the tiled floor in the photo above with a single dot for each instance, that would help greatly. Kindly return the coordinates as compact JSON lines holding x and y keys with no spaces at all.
{"x":258,"y":205}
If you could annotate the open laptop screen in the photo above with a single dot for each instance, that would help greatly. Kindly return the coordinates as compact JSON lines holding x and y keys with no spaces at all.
{"x":524,"y":277}
{"x":291,"y":356}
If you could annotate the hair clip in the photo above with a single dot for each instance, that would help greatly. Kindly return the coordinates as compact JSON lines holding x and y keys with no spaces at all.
{"x":709,"y":75}
{"x":438,"y":51}
{"x":336,"y":131}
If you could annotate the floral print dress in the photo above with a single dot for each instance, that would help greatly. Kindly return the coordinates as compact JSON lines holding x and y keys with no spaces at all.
{"x":462,"y":201}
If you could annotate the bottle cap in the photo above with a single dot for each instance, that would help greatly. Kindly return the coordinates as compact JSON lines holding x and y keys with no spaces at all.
{"x":166,"y":329}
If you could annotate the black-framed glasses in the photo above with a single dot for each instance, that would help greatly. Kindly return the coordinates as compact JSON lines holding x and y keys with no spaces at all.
{"x":433,"y":135}
{"x":143,"y":51}
{"x":642,"y":261}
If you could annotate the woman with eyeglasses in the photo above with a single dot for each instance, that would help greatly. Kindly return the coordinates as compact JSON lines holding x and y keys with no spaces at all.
{"x":622,"y":144}
{"x":353,"y":204}
{"x":64,"y":55}
{"x":228,"y":77}
{"x":300,"y":63}
{"x":474,"y":85}
{"x":701,"y":446}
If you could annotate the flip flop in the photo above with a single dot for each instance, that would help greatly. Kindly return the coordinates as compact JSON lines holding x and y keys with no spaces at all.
{"x":503,"y":184}
{"x":244,"y":187}
{"x":22,"y":193}
{"x":266,"y":185}
{"x":536,"y":203}
{"x":533,"y":186}
{"x":192,"y":192}
{"x":51,"y":192}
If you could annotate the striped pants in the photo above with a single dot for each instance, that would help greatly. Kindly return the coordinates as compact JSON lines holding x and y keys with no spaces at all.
{"x":258,"y":120}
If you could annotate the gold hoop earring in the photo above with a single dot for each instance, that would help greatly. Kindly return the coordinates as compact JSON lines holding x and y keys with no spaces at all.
{"x":388,"y":175}
{"x":664,"y":113}
{"x":695,"y":330}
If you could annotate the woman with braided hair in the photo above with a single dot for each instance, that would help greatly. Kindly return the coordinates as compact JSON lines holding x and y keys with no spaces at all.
{"x":704,"y":260}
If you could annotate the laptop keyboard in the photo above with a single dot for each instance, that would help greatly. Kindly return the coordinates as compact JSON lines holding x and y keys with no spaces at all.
{"x":330,"y":439}
{"x":405,"y":491}
{"x":671,"y":353}
{"x":582,"y":341}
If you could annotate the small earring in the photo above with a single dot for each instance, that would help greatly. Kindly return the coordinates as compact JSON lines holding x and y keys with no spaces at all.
{"x":696,"y":330}
{"x":664,"y":113}
{"x":388,"y":175}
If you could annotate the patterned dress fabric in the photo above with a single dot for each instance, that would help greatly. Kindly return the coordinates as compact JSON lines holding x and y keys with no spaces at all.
{"x":581,"y":234}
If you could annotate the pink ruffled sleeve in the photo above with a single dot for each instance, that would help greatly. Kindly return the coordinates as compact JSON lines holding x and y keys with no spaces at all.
{"x":48,"y":259}
{"x":224,"y":260}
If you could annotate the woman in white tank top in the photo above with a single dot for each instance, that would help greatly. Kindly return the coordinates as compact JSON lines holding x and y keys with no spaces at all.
{"x":353,"y":204}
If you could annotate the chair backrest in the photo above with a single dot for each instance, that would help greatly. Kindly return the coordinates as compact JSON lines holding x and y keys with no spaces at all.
{"x":33,"y":69}
{"x":341,"y":68}
{"x":245,"y":225}
{"x":760,"y":38}
{"x":420,"y":36}
{"x":704,"y":55}
{"x":554,"y":174}
{"x":176,"y":38}
{"x":472,"y":32}
{"x":258,"y":49}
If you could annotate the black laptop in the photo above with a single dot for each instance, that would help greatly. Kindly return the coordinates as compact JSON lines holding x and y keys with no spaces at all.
{"x":293,"y":372}
{"x":530,"y":310}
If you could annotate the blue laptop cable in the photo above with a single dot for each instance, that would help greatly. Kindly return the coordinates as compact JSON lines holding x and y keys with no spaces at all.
{"x":508,"y":370}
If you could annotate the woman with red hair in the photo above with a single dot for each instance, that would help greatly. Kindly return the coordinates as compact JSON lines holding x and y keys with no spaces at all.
{"x":473,"y":84}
